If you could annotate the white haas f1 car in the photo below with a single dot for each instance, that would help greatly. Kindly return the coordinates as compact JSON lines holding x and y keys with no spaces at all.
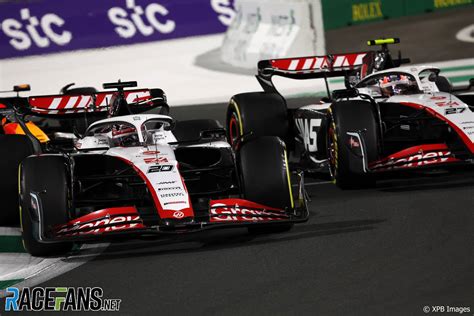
{"x":146,"y":175}
{"x":389,"y":118}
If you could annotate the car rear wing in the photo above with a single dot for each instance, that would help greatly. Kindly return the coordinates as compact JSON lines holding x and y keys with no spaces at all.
{"x":313,"y":67}
{"x":100,"y":102}
{"x":352,"y":66}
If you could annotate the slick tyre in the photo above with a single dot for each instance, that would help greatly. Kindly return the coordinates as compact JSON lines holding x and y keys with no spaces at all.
{"x":259,"y":113}
{"x":13,"y":150}
{"x":345,"y":117}
{"x":265,"y":178}
{"x":45,"y":177}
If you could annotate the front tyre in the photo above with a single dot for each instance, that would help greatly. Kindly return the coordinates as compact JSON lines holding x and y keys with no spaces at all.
{"x":344,"y":117}
{"x":44,"y":178}
{"x":13,"y":149}
{"x":265,"y":177}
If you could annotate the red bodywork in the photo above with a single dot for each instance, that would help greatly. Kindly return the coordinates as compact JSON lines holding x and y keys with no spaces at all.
{"x":59,"y":104}
{"x":414,"y":157}
{"x":127,"y":219}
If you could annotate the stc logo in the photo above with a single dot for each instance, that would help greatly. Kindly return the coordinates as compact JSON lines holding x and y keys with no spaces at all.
{"x":40,"y":31}
{"x":144,"y":20}
{"x":225,"y":10}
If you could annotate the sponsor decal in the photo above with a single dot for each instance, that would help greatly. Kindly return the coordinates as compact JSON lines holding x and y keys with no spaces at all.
{"x":467,"y":122}
{"x":158,"y":137}
{"x":436,"y":97}
{"x":417,"y":160}
{"x":59,"y":299}
{"x":150,"y":152}
{"x":157,"y":160}
{"x":39,"y":27}
{"x":175,"y":202}
{"x":169,"y":188}
{"x":39,"y":31}
{"x":447,"y":103}
{"x":137,"y":19}
{"x":178,"y":214}
{"x":166,"y":182}
{"x":225,"y":11}
{"x":102,"y":141}
{"x":170,"y":195}
{"x":117,"y":223}
{"x":367,"y":11}
{"x":234,"y":214}
{"x":440,"y":4}
{"x":308,"y":129}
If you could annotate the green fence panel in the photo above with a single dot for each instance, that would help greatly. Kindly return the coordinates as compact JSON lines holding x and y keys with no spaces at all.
{"x":341,"y":13}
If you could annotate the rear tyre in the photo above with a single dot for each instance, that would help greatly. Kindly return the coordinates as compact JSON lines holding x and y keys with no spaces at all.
{"x":13,"y":149}
{"x":265,"y":177}
{"x":259,"y":113}
{"x":345,"y":117}
{"x":48,"y":178}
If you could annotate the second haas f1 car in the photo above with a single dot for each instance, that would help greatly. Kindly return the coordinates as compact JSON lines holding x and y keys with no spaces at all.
{"x":389,"y":117}
{"x":144,"y":175}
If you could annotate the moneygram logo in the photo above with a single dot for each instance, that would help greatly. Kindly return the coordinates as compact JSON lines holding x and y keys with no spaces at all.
{"x":57,"y":299}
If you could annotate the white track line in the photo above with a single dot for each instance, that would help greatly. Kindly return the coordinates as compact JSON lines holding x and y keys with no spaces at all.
{"x":10,"y":231}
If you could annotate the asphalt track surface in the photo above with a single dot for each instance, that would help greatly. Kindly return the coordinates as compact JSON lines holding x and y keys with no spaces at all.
{"x":390,"y":250}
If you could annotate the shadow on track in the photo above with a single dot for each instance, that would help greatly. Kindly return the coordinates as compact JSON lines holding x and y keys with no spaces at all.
{"x":228,"y":239}
{"x":426,"y":182}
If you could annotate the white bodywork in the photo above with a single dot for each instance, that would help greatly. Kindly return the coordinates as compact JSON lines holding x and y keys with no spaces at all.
{"x":156,"y":163}
{"x":443,"y":105}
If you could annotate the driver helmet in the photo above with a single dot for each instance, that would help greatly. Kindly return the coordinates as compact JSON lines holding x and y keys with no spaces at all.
{"x":396,"y":84}
{"x":124,"y":136}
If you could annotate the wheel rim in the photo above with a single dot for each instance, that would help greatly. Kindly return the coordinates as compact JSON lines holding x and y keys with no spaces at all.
{"x":234,"y":132}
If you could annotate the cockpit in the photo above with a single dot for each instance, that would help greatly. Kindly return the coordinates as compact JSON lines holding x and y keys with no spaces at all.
{"x":414,"y":80}
{"x":388,"y":84}
{"x":116,"y":133}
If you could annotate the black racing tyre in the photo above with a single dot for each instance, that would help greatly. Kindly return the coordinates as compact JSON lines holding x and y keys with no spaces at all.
{"x":191,"y":129}
{"x":13,"y":150}
{"x":344,"y":117}
{"x":265,"y":177}
{"x":259,"y":113}
{"x":48,"y":177}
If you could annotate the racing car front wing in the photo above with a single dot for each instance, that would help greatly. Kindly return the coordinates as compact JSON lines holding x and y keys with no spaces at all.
{"x":107,"y":224}
{"x":416,"y":157}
